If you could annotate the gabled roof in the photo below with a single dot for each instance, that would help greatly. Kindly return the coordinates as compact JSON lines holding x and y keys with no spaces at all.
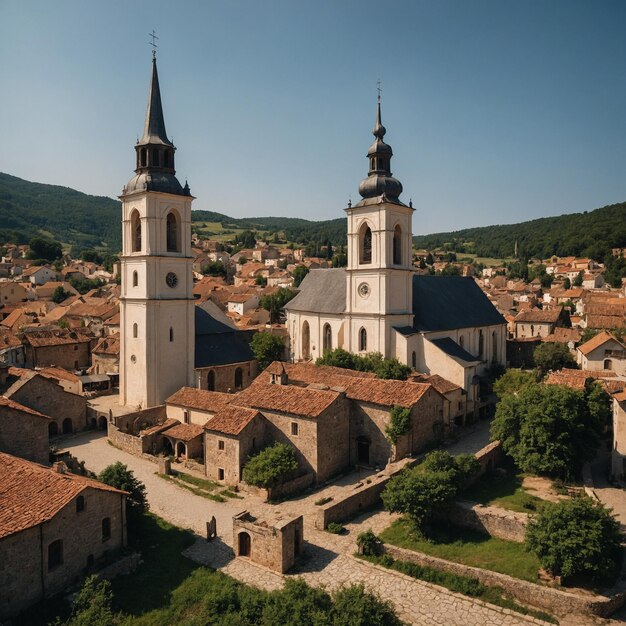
{"x":540,"y":316}
{"x":322,"y":291}
{"x":387,"y":392}
{"x":454,"y":350}
{"x":231,"y":420}
{"x":600,"y":339}
{"x":16,"y":406}
{"x":31,"y":494}
{"x":184,"y":432}
{"x":190,"y":397}
{"x":449,"y":302}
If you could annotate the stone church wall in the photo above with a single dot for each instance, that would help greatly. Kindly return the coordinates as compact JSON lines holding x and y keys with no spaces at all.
{"x":24,"y":435}
{"x":225,"y":376}
{"x":68,"y":356}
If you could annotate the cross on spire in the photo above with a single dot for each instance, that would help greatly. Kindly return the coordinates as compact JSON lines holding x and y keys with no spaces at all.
{"x":378,"y":89}
{"x":152,"y":43}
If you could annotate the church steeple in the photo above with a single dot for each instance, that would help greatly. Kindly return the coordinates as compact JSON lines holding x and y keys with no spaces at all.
{"x":155,"y":152}
{"x":379,"y":182}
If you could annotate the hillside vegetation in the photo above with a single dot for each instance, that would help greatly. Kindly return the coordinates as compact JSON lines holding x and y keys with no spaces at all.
{"x":590,"y":234}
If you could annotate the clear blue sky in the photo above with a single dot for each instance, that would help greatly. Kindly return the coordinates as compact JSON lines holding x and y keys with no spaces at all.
{"x":498,"y":111}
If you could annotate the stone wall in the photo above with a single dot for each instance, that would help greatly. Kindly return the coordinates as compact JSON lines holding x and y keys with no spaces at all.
{"x":489,"y":457}
{"x":548,"y":599}
{"x":25,"y":435}
{"x":124,"y":441}
{"x":491,"y":520}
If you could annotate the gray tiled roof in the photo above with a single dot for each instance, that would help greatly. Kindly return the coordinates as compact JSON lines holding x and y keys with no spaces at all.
{"x":454,"y":350}
{"x":321,"y":291}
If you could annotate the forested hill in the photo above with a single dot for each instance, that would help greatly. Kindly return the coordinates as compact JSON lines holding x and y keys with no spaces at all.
{"x":33,"y":209}
{"x":589,"y":234}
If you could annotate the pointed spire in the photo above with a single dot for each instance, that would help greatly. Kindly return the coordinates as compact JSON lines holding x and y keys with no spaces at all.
{"x":379,"y":130}
{"x":154,"y":128}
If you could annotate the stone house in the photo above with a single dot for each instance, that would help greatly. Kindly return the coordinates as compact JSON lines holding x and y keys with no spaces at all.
{"x":54,"y":528}
{"x":11,"y":349}
{"x":39,"y":275}
{"x":68,"y":411}
{"x":240,"y":303}
{"x":539,"y":322}
{"x":24,"y":432}
{"x":66,"y":349}
{"x":603,"y":352}
{"x":12,"y":292}
{"x":618,"y":453}
{"x":105,"y":357}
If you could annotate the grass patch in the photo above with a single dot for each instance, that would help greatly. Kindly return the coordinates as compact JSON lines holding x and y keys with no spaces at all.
{"x":467,"y":547}
{"x":323,"y":501}
{"x":197,"y":491}
{"x":202,"y":483}
{"x":460,"y":584}
{"x":503,"y":490}
{"x":230,"y":494}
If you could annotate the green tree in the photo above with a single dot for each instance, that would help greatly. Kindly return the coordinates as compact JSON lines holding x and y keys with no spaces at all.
{"x":47,"y":249}
{"x":372,"y":362}
{"x":275,"y":302}
{"x":338,"y":358}
{"x":90,"y":256}
{"x":246,"y":239}
{"x":392,"y":369}
{"x":513,"y":381}
{"x":567,"y":283}
{"x":576,"y":538}
{"x":578,"y":281}
{"x":546,"y":429}
{"x":261,"y":281}
{"x":83,"y":285}
{"x":298,"y":274}
{"x":599,"y":404}
{"x":267,"y":348}
{"x":272,"y":466}
{"x":451,"y":270}
{"x":215,"y":268}
{"x":92,"y":605}
{"x":552,"y":356}
{"x":119,"y":476}
{"x":59,"y":294}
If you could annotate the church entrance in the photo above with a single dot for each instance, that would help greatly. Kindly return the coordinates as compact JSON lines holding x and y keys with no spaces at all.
{"x":244,"y":544}
{"x":362,"y":451}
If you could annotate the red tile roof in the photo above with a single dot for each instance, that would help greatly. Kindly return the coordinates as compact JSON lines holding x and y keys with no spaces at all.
{"x":595,"y":342}
{"x":184,"y":432}
{"x":31,"y":494}
{"x":539,"y":316}
{"x":231,"y":420}
{"x":200,"y":399}
{"x":20,"y":407}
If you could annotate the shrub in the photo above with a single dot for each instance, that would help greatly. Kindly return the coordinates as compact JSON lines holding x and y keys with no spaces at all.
{"x":553,"y":356}
{"x":576,"y":538}
{"x":372,"y":362}
{"x":513,"y":381}
{"x":323,"y":501}
{"x":368,"y":543}
{"x":267,"y":348}
{"x":271,"y":466}
{"x":335,"y":528}
{"x":399,"y":423}
{"x":92,"y":605}
{"x":353,"y":606}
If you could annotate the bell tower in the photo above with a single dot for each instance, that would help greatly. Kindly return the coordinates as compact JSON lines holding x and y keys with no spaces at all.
{"x":380,"y":255}
{"x":156,"y":303}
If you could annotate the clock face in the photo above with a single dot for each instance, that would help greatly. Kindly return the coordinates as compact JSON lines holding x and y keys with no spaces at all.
{"x":364,"y":290}
{"x":171,"y":279}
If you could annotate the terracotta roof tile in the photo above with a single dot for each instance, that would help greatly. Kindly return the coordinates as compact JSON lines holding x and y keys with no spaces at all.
{"x":184,"y":432}
{"x":597,"y":341}
{"x":157,"y":428}
{"x":20,"y":407}
{"x":576,"y":378}
{"x":58,"y":373}
{"x":441,"y":384}
{"x":387,"y":392}
{"x":200,"y":399}
{"x":549,"y":316}
{"x":231,"y":420}
{"x":31,"y":494}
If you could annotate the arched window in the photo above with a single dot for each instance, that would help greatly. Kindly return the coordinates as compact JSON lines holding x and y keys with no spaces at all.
{"x":494,"y":347}
{"x":608,"y":364}
{"x":106,"y":528}
{"x":55,"y":554}
{"x":306,"y":341}
{"x":362,"y":340}
{"x":238,"y":378}
{"x":135,"y":331}
{"x":143,"y":157}
{"x":155,"y":157}
{"x":171,"y":334}
{"x":532,"y":330}
{"x":135,"y":279}
{"x":328,"y":338}
{"x":397,"y":245}
{"x":461,"y":341}
{"x":210,"y":380}
{"x":481,"y":342}
{"x":172,"y":233}
{"x":365,"y":244}
{"x":414,"y":360}
{"x":135,"y":227}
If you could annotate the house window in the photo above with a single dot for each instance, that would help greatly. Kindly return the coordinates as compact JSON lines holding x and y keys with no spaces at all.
{"x":106,"y":529}
{"x":480,"y":344}
{"x":397,"y":245}
{"x":171,"y":334}
{"x":210,"y":381}
{"x":461,"y":341}
{"x":220,"y":473}
{"x":608,"y":365}
{"x":414,"y":360}
{"x":362,"y":340}
{"x":306,"y":341}
{"x":494,"y":346}
{"x":220,"y":444}
{"x":294,"y":429}
{"x":135,"y":330}
{"x":365,"y":244}
{"x":55,"y":554}
{"x":135,"y":279}
{"x":186,"y":416}
{"x":80,"y":504}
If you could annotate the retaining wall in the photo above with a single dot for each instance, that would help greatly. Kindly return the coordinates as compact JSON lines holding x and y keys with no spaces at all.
{"x":548,"y":599}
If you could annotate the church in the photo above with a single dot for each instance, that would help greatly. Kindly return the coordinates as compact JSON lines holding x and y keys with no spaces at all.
{"x":438,"y":325}
{"x":167,"y":342}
